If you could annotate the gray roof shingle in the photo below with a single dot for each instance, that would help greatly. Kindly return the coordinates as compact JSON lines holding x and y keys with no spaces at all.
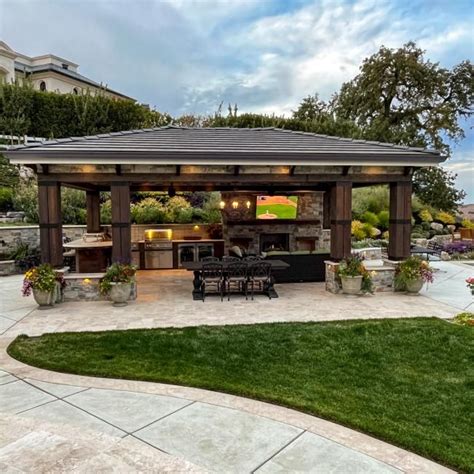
{"x":170,"y":143}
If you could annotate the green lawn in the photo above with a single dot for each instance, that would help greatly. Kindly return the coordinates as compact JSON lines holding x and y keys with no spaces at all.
{"x":410,"y":381}
{"x":283,"y":211}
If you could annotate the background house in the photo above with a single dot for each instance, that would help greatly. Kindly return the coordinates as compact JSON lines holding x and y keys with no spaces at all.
{"x":49,"y":73}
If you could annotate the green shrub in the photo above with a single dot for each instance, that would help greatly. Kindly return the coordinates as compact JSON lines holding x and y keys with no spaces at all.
{"x":73,"y":206}
{"x":370,"y":230}
{"x":464,"y":319}
{"x":384,"y":217}
{"x":371,"y":218}
{"x":425,"y":215}
{"x":445,"y":217}
{"x":373,"y":199}
{"x":25,"y":198}
{"x":148,"y":211}
{"x":106,"y":212}
{"x":425,"y":226}
{"x":178,"y":209}
{"x":6,"y":199}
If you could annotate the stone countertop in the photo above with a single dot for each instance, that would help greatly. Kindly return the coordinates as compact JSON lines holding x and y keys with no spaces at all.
{"x":80,"y":244}
{"x":193,"y":241}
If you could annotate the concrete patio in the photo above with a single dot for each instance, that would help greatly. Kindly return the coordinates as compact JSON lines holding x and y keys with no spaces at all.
{"x":65,"y":422}
{"x":164,"y":299}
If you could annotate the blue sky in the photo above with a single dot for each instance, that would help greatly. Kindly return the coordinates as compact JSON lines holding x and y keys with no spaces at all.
{"x":186,"y":56}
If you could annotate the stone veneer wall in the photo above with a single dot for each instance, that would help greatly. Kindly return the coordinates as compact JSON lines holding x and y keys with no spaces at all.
{"x":310,"y":207}
{"x":9,"y":236}
{"x":382,"y":280}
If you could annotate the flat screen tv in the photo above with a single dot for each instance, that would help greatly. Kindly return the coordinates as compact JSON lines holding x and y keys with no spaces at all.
{"x":277,"y":207}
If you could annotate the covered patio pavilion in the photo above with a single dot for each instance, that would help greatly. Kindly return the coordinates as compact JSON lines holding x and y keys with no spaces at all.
{"x":233,"y":160}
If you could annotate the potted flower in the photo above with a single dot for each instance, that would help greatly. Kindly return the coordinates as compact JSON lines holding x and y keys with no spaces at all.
{"x":470,"y":284}
{"x":117,"y":283}
{"x":354,"y":276}
{"x":43,"y":282}
{"x":412,"y":274}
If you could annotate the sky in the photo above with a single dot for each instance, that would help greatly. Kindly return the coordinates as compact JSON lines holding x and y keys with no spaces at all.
{"x":188,"y":56}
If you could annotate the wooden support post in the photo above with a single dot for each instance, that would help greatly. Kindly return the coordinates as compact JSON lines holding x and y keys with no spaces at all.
{"x":50,"y":224}
{"x":399,"y":229}
{"x":327,"y":210}
{"x":93,"y":211}
{"x":121,"y":230}
{"x":341,"y":218}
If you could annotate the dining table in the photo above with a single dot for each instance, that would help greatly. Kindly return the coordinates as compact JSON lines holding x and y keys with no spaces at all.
{"x":196,"y":268}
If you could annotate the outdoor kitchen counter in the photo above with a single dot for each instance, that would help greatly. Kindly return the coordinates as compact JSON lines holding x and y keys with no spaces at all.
{"x":91,"y":257}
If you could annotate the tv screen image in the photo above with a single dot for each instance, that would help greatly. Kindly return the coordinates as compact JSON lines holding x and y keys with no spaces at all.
{"x":277,"y":207}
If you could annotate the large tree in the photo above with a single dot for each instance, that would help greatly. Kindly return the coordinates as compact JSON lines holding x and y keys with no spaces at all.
{"x":401,"y":97}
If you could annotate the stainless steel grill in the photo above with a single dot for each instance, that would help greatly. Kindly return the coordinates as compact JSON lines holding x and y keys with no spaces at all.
{"x":158,"y":248}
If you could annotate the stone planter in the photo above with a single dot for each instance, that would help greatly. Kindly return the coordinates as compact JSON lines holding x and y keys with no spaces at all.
{"x":351,"y":285}
{"x":120,"y":293}
{"x":414,"y":286}
{"x":45,"y":299}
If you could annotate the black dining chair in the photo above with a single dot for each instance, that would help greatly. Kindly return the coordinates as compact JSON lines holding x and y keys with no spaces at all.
{"x":236,"y":278}
{"x":212,"y":276}
{"x":260,"y":274}
{"x":253,"y":258}
{"x":210,"y":259}
{"x":230,"y":258}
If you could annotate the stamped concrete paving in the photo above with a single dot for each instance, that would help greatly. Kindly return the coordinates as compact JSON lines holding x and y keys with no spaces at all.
{"x":171,"y":428}
{"x":164,"y":299}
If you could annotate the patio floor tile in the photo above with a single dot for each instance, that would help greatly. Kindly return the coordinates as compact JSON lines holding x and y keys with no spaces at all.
{"x":58,"y":390}
{"x":220,"y":439}
{"x":62,"y":412}
{"x":5,"y":323}
{"x":19,"y":396}
{"x":129,"y":411}
{"x":313,"y":453}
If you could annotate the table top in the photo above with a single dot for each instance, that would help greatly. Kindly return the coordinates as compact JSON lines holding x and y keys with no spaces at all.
{"x":196,"y":266}
{"x":81,"y":244}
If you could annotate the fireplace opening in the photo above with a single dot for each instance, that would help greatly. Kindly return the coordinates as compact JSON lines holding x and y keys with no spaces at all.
{"x":270,"y":242}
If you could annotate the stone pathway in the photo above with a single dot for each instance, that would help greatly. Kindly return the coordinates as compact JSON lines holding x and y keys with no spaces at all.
{"x":53,"y":422}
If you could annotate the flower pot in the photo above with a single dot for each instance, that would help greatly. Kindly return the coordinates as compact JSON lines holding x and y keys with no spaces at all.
{"x":414,"y":286}
{"x":351,"y":285}
{"x":119,"y":293}
{"x":45,"y":299}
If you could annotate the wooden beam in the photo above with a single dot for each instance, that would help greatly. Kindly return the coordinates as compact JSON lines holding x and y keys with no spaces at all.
{"x":118,"y":170}
{"x":121,"y":229}
{"x":341,"y":218}
{"x":93,"y":211}
{"x":345,"y":170}
{"x":327,"y":210}
{"x":399,"y":229}
{"x":178,"y":170}
{"x":292,"y":170}
{"x":236,"y":170}
{"x":216,"y":180}
{"x":51,"y":234}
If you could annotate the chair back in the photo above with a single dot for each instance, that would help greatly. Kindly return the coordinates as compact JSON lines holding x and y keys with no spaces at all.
{"x":261,"y":269}
{"x":253,"y":258}
{"x":230,"y":258}
{"x":212,"y":271}
{"x":237,"y":270}
{"x":209,"y":259}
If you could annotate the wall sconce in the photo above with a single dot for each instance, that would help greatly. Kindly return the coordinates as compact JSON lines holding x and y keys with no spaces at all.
{"x":222,"y":204}
{"x":235,"y":204}
{"x":196,"y":228}
{"x":248,"y":204}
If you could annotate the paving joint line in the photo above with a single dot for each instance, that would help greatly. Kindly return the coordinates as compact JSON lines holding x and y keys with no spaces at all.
{"x":279,"y":451}
{"x":161,"y":418}
{"x":18,"y":321}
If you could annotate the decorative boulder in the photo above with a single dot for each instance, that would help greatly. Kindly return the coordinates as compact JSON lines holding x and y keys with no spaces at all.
{"x":436,"y":226}
{"x":445,"y":256}
{"x":451,"y":227}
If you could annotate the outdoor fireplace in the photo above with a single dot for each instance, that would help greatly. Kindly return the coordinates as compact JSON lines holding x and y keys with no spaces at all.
{"x":274,"y":241}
